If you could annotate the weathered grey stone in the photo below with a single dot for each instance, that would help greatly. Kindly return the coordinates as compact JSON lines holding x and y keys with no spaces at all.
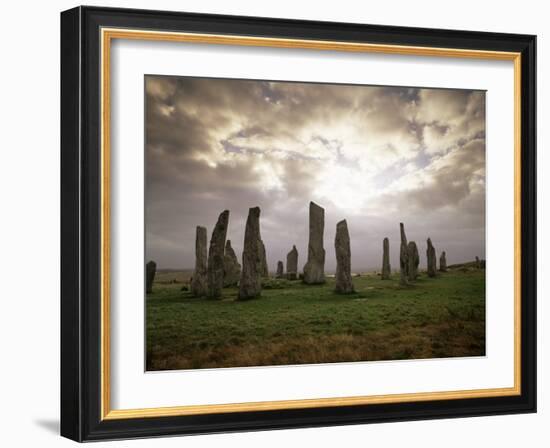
{"x":443,"y":262}
{"x":264,"y":270}
{"x":403,"y":257}
{"x":344,"y":284}
{"x":430,"y":253}
{"x":250,"y":285}
{"x":199,"y":282}
{"x":478,"y":262}
{"x":231,"y":266}
{"x":292,"y":264}
{"x":150,"y":271}
{"x":216,"y":255}
{"x":386,"y":268}
{"x":280,"y":270}
{"x":314,"y":269}
{"x":414,"y":261}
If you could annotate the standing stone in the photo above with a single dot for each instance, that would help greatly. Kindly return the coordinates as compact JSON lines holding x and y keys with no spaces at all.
{"x":264,"y":270}
{"x":150,"y":271}
{"x":199,"y":282}
{"x":216,"y":255}
{"x":292,"y":264}
{"x":344,"y":283}
{"x":430,"y":253}
{"x":250,"y":285}
{"x":231,"y":266}
{"x":414,"y":261}
{"x":314,"y":269}
{"x":386,"y":268}
{"x":403,"y":257}
{"x":443,"y":262}
{"x":478,"y":262}
{"x":280,"y":270}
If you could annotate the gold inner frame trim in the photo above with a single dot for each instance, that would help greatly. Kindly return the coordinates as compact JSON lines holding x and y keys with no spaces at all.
{"x":107,"y":35}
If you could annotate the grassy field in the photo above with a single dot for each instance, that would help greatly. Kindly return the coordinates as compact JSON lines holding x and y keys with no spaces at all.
{"x":293,"y":323}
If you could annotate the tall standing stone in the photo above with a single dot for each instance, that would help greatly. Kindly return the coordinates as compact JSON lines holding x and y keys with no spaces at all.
{"x":280,"y":270}
{"x":403,"y":257}
{"x":231,"y":266}
{"x":344,"y":284}
{"x":199,"y":282}
{"x":386,"y":268}
{"x":414,"y":261}
{"x":478,"y":262}
{"x":150,"y":271}
{"x":292,"y":264}
{"x":250,"y":285}
{"x":430,"y":253}
{"x":314,"y":269}
{"x":264,"y":270}
{"x":216,"y":255}
{"x":443,"y":262}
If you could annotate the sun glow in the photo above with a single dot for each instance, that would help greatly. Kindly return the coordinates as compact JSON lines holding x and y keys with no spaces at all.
{"x":347,"y":189}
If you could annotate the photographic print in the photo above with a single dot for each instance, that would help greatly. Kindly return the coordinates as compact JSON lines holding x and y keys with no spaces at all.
{"x":299,"y":223}
{"x":249,"y":201}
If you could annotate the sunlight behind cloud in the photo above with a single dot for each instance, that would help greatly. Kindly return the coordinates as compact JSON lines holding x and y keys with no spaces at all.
{"x":375,"y":155}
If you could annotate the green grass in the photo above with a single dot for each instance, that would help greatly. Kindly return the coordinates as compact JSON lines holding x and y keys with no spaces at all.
{"x":293,"y":323}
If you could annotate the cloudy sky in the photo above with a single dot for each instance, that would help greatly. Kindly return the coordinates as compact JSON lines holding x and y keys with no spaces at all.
{"x":369,"y":154}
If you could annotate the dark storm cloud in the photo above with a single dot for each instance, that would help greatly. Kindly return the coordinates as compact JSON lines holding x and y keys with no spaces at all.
{"x":373,"y":155}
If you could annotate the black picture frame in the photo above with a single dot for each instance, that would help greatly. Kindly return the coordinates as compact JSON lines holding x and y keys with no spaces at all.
{"x":81,"y":224}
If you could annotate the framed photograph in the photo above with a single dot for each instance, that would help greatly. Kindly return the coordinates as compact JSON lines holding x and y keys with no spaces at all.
{"x":273,"y":223}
